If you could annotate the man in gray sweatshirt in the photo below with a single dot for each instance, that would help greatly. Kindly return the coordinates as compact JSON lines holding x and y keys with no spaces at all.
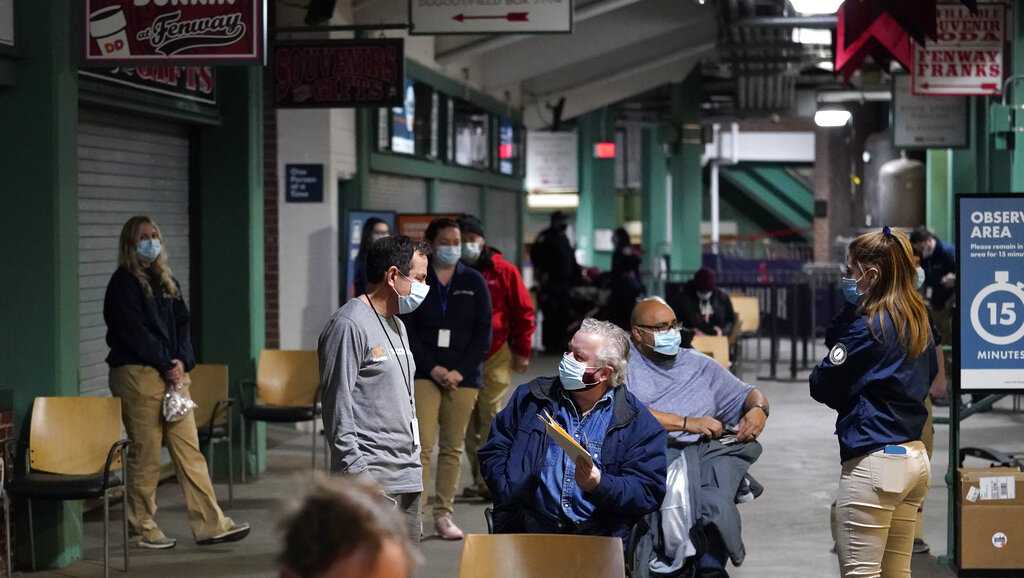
{"x":366,"y":374}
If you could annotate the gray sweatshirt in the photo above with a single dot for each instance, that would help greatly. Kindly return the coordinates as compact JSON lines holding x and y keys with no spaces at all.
{"x":369,"y":411}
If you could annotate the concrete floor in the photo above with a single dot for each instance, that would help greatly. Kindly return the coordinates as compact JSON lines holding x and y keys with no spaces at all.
{"x":786,"y":530}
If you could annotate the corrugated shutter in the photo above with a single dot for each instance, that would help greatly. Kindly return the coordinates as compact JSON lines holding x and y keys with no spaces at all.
{"x":457,"y":198}
{"x":126,"y":167}
{"x":501,"y":222}
{"x":399,"y":194}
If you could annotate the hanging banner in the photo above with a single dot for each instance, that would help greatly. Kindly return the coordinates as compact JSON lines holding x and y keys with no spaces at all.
{"x":197,"y":83}
{"x":967,"y":58}
{"x":339,"y":73}
{"x":990,"y":257}
{"x":181,"y":32}
{"x":921,"y":122}
{"x":551,"y":162}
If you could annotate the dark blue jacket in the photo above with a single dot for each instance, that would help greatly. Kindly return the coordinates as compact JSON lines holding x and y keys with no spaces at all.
{"x":875,"y":386}
{"x":941,"y":262}
{"x":632,"y":469}
{"x":143,"y":330}
{"x":467,"y":316}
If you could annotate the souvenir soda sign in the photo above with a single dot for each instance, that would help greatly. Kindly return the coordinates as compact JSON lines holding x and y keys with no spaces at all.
{"x":173,"y":31}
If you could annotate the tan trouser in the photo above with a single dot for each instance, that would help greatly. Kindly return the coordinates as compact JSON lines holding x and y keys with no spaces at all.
{"x":928,"y":439}
{"x":876,"y":512}
{"x":141,"y":390}
{"x":497,"y":381}
{"x":448,"y":411}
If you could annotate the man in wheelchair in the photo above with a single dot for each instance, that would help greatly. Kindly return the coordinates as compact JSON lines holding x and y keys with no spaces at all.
{"x":537,"y":487}
{"x":697,"y":527}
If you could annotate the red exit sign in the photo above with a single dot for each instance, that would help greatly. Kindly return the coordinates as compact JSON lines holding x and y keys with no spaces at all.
{"x":604,"y":150}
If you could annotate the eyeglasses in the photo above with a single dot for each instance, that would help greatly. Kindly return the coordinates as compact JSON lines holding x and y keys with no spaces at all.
{"x":660,"y":328}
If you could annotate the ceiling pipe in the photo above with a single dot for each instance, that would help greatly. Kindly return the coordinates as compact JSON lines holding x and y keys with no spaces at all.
{"x":827,"y":21}
{"x":855,"y":96}
{"x":587,"y":12}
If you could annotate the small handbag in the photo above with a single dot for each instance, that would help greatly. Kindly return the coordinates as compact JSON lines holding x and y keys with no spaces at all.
{"x":177,"y":404}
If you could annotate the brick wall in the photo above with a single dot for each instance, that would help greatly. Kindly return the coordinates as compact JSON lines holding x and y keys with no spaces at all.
{"x":270,"y":282}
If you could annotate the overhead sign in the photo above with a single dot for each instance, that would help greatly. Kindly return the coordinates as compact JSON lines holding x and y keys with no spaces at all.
{"x":173,"y":31}
{"x":338,"y":73}
{"x":967,"y":58}
{"x":304,"y":183}
{"x":551,"y":162}
{"x":198,"y":83}
{"x":7,"y":23}
{"x":990,"y":256}
{"x":921,"y":121}
{"x":490,"y":16}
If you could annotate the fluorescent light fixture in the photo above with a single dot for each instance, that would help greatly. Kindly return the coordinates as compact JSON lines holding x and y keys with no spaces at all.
{"x":553,"y":200}
{"x":817,"y":36}
{"x":816,"y":6}
{"x":826,"y":65}
{"x":831,"y":118}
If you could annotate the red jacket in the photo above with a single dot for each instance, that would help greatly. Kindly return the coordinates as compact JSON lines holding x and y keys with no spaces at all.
{"x":512,"y":320}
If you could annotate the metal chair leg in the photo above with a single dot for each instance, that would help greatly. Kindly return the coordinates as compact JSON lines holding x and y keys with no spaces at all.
{"x":245,"y":449}
{"x":31,"y":535}
{"x":231,"y":472}
{"x":106,"y":534}
{"x":315,"y":433}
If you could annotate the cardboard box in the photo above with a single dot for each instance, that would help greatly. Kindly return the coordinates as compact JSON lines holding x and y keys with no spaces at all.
{"x":991,"y":518}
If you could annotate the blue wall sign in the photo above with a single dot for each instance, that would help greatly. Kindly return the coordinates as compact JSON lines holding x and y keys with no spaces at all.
{"x":304,"y":183}
{"x":990,"y":256}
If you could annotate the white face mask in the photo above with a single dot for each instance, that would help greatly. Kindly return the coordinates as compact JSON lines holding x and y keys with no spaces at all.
{"x":704,"y":295}
{"x":149,"y":249}
{"x":417,"y":294}
{"x":919,"y":278}
{"x":471,"y":251}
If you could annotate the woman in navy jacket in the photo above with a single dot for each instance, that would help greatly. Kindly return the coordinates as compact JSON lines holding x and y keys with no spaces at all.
{"x":880,"y":364}
{"x":450,"y":335}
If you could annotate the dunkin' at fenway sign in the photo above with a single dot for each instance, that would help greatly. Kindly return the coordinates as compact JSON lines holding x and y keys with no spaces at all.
{"x":173,"y":31}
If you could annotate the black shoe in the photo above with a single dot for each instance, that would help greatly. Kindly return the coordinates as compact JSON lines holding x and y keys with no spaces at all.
{"x":235,"y":534}
{"x":921,"y":547}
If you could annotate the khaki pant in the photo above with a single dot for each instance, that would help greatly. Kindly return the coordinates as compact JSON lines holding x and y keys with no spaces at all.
{"x":141,"y":390}
{"x":876,"y":512}
{"x":928,"y":439}
{"x":443,"y":417}
{"x":497,"y":381}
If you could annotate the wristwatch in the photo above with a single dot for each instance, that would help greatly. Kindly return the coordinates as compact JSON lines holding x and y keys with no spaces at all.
{"x":762,"y":406}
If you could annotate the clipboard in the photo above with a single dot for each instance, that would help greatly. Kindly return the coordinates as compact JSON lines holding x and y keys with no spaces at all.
{"x":569,"y":445}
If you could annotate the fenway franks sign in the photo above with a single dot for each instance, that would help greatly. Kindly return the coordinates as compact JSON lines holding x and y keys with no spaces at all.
{"x":173,"y":31}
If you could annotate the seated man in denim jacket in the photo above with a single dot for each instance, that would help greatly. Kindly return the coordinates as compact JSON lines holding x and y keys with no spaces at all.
{"x":537,"y":488}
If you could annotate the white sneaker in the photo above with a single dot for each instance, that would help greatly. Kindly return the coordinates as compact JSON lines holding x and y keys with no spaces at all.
{"x":447,"y":529}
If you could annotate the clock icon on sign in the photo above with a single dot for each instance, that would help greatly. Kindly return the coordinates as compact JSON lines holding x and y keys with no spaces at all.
{"x":1004,"y":314}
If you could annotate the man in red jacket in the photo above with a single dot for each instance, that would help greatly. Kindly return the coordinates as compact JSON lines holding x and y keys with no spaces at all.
{"x":512,"y":326}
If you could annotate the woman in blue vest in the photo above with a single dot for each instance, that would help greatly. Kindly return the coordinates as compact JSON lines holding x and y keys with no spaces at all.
{"x":880,"y":364}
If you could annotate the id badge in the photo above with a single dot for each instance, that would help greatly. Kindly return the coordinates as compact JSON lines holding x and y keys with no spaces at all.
{"x":416,"y":432}
{"x":444,"y":338}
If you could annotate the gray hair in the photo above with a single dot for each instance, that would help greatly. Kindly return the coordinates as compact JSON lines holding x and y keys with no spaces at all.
{"x":614,"y":351}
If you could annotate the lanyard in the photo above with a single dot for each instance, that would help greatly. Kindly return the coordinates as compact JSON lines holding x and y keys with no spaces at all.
{"x":443,"y":295}
{"x":408,"y":364}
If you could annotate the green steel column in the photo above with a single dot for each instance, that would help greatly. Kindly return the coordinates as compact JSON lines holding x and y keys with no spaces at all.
{"x":654,"y":197}
{"x":433,"y":190}
{"x":230,"y":210}
{"x":687,"y":176}
{"x":39,"y":245}
{"x":1017,"y":94}
{"x":939,"y":192}
{"x":597,"y":208}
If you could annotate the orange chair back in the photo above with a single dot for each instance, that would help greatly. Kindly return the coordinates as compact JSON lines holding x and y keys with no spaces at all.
{"x":748,"y":309}
{"x":287,"y":378}
{"x":541,"y":556}
{"x":714,"y":346}
{"x":72,"y":435}
{"x":209,"y":386}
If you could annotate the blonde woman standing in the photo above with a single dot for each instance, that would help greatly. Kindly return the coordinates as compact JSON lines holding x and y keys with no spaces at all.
{"x":877,"y":373}
{"x":150,"y":350}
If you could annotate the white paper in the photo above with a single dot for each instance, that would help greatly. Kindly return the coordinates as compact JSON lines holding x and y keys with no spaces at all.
{"x":998,"y":488}
{"x":973,"y":494}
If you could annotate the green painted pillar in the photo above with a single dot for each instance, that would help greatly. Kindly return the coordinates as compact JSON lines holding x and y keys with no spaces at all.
{"x":1017,"y":99}
{"x":598,"y":208}
{"x":230,"y":211}
{"x":939,"y":192}
{"x":39,"y":245}
{"x":654,"y":200}
{"x":687,"y":175}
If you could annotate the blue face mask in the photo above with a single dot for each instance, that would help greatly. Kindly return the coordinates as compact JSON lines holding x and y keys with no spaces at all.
{"x":417,"y":294}
{"x":667,"y":342}
{"x":448,"y":254}
{"x":851,"y":292}
{"x":571,"y":372}
{"x":148,"y":249}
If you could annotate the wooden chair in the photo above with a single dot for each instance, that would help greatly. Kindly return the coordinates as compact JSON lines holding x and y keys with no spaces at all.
{"x":287,"y":390}
{"x":74,"y":446}
{"x":715,"y":346}
{"x":541,"y":556}
{"x":748,"y":310}
{"x":213,"y":415}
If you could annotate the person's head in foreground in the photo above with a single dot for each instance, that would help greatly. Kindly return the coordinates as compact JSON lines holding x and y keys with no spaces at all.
{"x":345,"y":528}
